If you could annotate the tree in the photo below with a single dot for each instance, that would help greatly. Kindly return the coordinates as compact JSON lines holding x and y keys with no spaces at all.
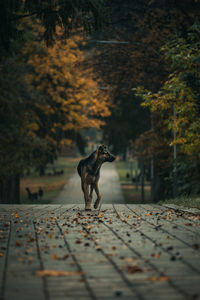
{"x":47,"y":97}
{"x":179,"y":94}
{"x":68,"y":14}
{"x":178,"y":102}
{"x":138,"y":29}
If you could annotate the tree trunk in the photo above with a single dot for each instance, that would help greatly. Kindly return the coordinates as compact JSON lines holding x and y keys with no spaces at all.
{"x":142,"y":182}
{"x":10,"y":190}
{"x":42,"y":170}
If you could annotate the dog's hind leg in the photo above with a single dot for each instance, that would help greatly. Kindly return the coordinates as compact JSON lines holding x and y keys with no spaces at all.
{"x":91,"y":191}
{"x":96,"y":187}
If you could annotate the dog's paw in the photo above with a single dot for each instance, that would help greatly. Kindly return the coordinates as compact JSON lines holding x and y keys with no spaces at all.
{"x":96,"y":205}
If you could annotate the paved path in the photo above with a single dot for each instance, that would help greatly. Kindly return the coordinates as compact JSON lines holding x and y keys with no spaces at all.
{"x":109,"y":187}
{"x":121,"y":252}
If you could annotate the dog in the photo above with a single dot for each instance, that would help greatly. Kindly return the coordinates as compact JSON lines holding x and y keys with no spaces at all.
{"x":89,"y":171}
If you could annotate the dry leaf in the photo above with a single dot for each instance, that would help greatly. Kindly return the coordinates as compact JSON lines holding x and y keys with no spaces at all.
{"x":100,"y":216}
{"x":188,"y":224}
{"x":78,"y":242}
{"x":56,"y":273}
{"x":156,"y":255}
{"x":20,"y":259}
{"x":1,"y":254}
{"x":98,"y":248}
{"x":196,"y":246}
{"x":129,"y":259}
{"x":149,"y":214}
{"x":133,"y":269}
{"x":162,"y":278}
{"x":17,"y":243}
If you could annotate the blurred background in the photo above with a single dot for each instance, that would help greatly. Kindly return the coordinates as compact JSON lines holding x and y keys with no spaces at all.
{"x":78,"y":74}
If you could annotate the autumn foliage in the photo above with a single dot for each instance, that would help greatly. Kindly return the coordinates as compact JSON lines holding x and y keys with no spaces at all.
{"x":46,"y":101}
{"x":70,"y":97}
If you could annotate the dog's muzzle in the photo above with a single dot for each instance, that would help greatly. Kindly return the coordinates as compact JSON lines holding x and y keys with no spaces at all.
{"x":111,"y":158}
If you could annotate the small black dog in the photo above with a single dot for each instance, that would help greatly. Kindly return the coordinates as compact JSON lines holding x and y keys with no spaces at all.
{"x":89,"y":171}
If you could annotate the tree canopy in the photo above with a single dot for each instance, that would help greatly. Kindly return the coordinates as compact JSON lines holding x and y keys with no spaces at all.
{"x":47,"y":96}
{"x":67,"y":14}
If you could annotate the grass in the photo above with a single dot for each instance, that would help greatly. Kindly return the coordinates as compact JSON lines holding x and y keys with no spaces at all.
{"x":191,"y":202}
{"x":51,"y":185}
{"x":132,"y":194}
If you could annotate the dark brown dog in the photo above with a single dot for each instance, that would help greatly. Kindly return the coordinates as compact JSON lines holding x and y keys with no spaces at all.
{"x":89,"y":171}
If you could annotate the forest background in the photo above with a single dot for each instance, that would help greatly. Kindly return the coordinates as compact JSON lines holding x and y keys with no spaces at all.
{"x":130,"y":69}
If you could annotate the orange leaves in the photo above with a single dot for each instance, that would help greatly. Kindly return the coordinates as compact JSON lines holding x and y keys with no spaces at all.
{"x":134,"y":269}
{"x":17,"y":243}
{"x":61,"y":75}
{"x":161,"y":278}
{"x":56,"y":273}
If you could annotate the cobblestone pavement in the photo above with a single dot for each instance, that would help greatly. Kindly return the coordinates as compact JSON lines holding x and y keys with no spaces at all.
{"x":127,"y":252}
{"x":109,"y":187}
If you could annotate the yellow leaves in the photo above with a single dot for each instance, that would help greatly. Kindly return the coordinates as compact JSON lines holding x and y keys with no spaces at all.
{"x":66,"y":142}
{"x":33,"y":127}
{"x":70,"y":92}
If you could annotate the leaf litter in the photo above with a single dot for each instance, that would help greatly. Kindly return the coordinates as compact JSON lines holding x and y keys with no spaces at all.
{"x":56,"y":273}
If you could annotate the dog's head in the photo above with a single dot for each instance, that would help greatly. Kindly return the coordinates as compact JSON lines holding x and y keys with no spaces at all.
{"x":104,"y":155}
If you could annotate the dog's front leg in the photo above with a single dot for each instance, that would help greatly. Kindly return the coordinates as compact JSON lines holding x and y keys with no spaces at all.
{"x":91,"y":191}
{"x":85,"y":188}
{"x":96,"y":187}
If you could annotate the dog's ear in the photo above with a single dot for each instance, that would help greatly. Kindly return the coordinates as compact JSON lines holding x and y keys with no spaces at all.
{"x":102,"y":148}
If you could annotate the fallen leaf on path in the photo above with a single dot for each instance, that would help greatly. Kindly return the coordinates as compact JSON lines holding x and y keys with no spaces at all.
{"x":100,"y":216}
{"x":1,"y":254}
{"x":98,"y":248}
{"x":196,"y":246}
{"x":78,"y":241}
{"x":133,"y":269}
{"x":170,"y":248}
{"x":156,"y":255}
{"x":20,"y":259}
{"x":129,"y":259}
{"x":188,"y":224}
{"x":162,"y":278}
{"x":31,"y":240}
{"x":56,"y":273}
{"x":17,"y":243}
